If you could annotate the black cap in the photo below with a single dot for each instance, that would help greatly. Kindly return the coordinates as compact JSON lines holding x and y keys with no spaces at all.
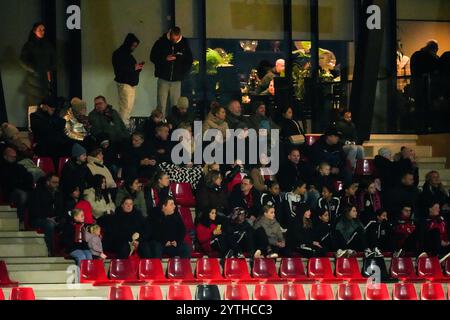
{"x":332,"y":131}
{"x":50,"y":101}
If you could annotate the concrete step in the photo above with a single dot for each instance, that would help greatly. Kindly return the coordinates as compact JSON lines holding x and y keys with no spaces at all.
{"x":7,"y":224}
{"x":40,"y":267}
{"x":23,"y":250}
{"x":25,"y":241}
{"x":394,"y":138}
{"x":7,"y":209}
{"x":44,"y":277}
{"x":433,"y":163}
{"x":21,"y":234}
{"x":35,"y":260}
{"x":8,"y":214}
{"x":371,"y":149}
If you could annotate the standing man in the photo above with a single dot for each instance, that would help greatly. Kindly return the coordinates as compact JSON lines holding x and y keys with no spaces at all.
{"x":127,"y":71}
{"x":172,"y":57}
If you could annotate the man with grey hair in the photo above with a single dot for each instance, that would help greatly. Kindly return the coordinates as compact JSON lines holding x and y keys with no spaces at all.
{"x":277,"y":71}
{"x":385,"y":167}
{"x":234,"y":118}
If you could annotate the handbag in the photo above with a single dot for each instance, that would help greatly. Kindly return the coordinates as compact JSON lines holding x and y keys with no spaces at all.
{"x":297,"y":139}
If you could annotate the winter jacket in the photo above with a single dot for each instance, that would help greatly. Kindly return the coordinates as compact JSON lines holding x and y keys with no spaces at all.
{"x":332,"y":154}
{"x":432,"y":194}
{"x":290,"y":174}
{"x":87,"y":210}
{"x":379,"y":233}
{"x":171,"y":70}
{"x":251,"y":203}
{"x":437,"y":223}
{"x":175,"y":118}
{"x":319,"y":181}
{"x":74,"y":175}
{"x":131,"y":161}
{"x":167,"y":228}
{"x":402,"y":230}
{"x":331,"y":206}
{"x":110,"y":123}
{"x":348,"y":130}
{"x":385,"y":169}
{"x":96,"y":167}
{"x":47,"y":129}
{"x":154,"y":197}
{"x":124,"y":63}
{"x":236,"y":122}
{"x":268,"y":199}
{"x":94,"y":243}
{"x":297,"y":235}
{"x":290,"y":204}
{"x":14,"y":176}
{"x":347,"y":227}
{"x":138,"y":199}
{"x":322,"y":233}
{"x":99,"y":207}
{"x":401,"y":195}
{"x":45,"y":204}
{"x":212,"y":122}
{"x":124,"y":225}
{"x":73,"y":237}
{"x":258,"y":179}
{"x":212,"y":197}
{"x":403,"y":166}
{"x":368,"y":205}
{"x":156,"y":144}
{"x":272,"y":229}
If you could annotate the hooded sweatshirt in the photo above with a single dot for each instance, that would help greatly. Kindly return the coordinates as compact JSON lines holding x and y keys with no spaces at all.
{"x":124,"y":62}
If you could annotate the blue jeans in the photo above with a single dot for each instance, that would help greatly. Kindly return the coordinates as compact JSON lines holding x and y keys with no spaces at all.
{"x":79,"y":255}
{"x":354,"y":152}
{"x":49,"y":230}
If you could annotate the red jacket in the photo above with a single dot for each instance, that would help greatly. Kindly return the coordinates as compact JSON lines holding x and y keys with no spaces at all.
{"x":204,"y":236}
{"x":403,"y":229}
{"x":87,"y":209}
{"x":439,"y":224}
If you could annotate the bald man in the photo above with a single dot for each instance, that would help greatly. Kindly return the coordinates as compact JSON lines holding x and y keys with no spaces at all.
{"x":277,"y":71}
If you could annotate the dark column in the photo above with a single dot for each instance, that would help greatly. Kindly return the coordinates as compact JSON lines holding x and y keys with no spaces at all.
{"x":3,"y":113}
{"x":73,"y":57}
{"x":368,"y":48}
{"x":314,"y":81}
{"x":49,"y":19}
{"x":201,"y":7}
{"x":287,"y":21}
{"x":391,"y":29}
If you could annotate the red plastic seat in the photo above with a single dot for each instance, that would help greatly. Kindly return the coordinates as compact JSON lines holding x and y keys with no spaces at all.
{"x":46,"y":164}
{"x":430,"y":268}
{"x":404,"y":291}
{"x":2,"y":296}
{"x":402,"y":268}
{"x":310,"y":139}
{"x":292,"y":269}
{"x":293,"y":291}
{"x":180,"y":270}
{"x":432,"y":291}
{"x":5,"y":281}
{"x":19,"y":293}
{"x":321,"y":291}
{"x":151,"y":270}
{"x":93,"y":271}
{"x":348,"y":269}
{"x":179,"y":292}
{"x":349,"y":291}
{"x":377,"y":291}
{"x":61,"y":163}
{"x":183,"y":194}
{"x":265,"y":269}
{"x":447,"y":268}
{"x":237,"y":270}
{"x":365,"y":167}
{"x":150,"y":293}
{"x":124,"y":270}
{"x":120,"y":293}
{"x":208,"y":270}
{"x":236,"y":292}
{"x":338,"y":185}
{"x":320,"y":269}
{"x":265,"y":292}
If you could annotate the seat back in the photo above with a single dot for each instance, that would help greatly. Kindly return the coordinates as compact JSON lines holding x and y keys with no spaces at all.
{"x":20,"y":293}
{"x":46,"y":164}
{"x":4,"y":275}
{"x":349,"y":291}
{"x":404,"y":291}
{"x":207,"y":292}
{"x":365,"y":167}
{"x":236,"y":269}
{"x":183,"y":194}
{"x":151,"y":269}
{"x":402,"y":268}
{"x":377,"y":291}
{"x":292,"y":268}
{"x":375,"y":265}
{"x":432,"y":291}
{"x":265,"y":292}
{"x":92,"y":271}
{"x":2,"y":296}
{"x":310,"y":139}
{"x":447,"y":268}
{"x":236,"y":292}
{"x":321,"y":291}
{"x":61,"y":163}
{"x":150,"y":293}
{"x":122,"y":269}
{"x":179,"y":269}
{"x":208,"y":269}
{"x":264,"y":269}
{"x":347,"y":268}
{"x":179,"y":292}
{"x":120,"y":293}
{"x":320,"y":268}
{"x":293,"y":291}
{"x":429,"y":267}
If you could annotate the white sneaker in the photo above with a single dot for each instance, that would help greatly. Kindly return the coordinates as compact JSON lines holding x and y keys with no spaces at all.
{"x":341,"y":253}
{"x":258,"y":254}
{"x":273,"y":256}
{"x":423,"y":255}
{"x":378,"y":253}
{"x":444,"y":258}
{"x":398,"y":253}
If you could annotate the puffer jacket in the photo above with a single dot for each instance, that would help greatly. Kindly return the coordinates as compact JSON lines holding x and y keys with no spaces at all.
{"x":272,"y":229}
{"x":97,"y":167}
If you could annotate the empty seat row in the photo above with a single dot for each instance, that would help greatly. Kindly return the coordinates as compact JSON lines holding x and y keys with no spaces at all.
{"x":318,"y":291}
{"x":208,"y":270}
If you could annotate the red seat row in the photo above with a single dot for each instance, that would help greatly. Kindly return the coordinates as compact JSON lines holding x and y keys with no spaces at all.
{"x":318,"y":291}
{"x":5,"y":281}
{"x":19,"y":293}
{"x":47,"y":165}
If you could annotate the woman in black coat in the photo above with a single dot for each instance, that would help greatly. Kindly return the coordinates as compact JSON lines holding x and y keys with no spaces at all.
{"x":38,"y":59}
{"x":212,"y":194}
